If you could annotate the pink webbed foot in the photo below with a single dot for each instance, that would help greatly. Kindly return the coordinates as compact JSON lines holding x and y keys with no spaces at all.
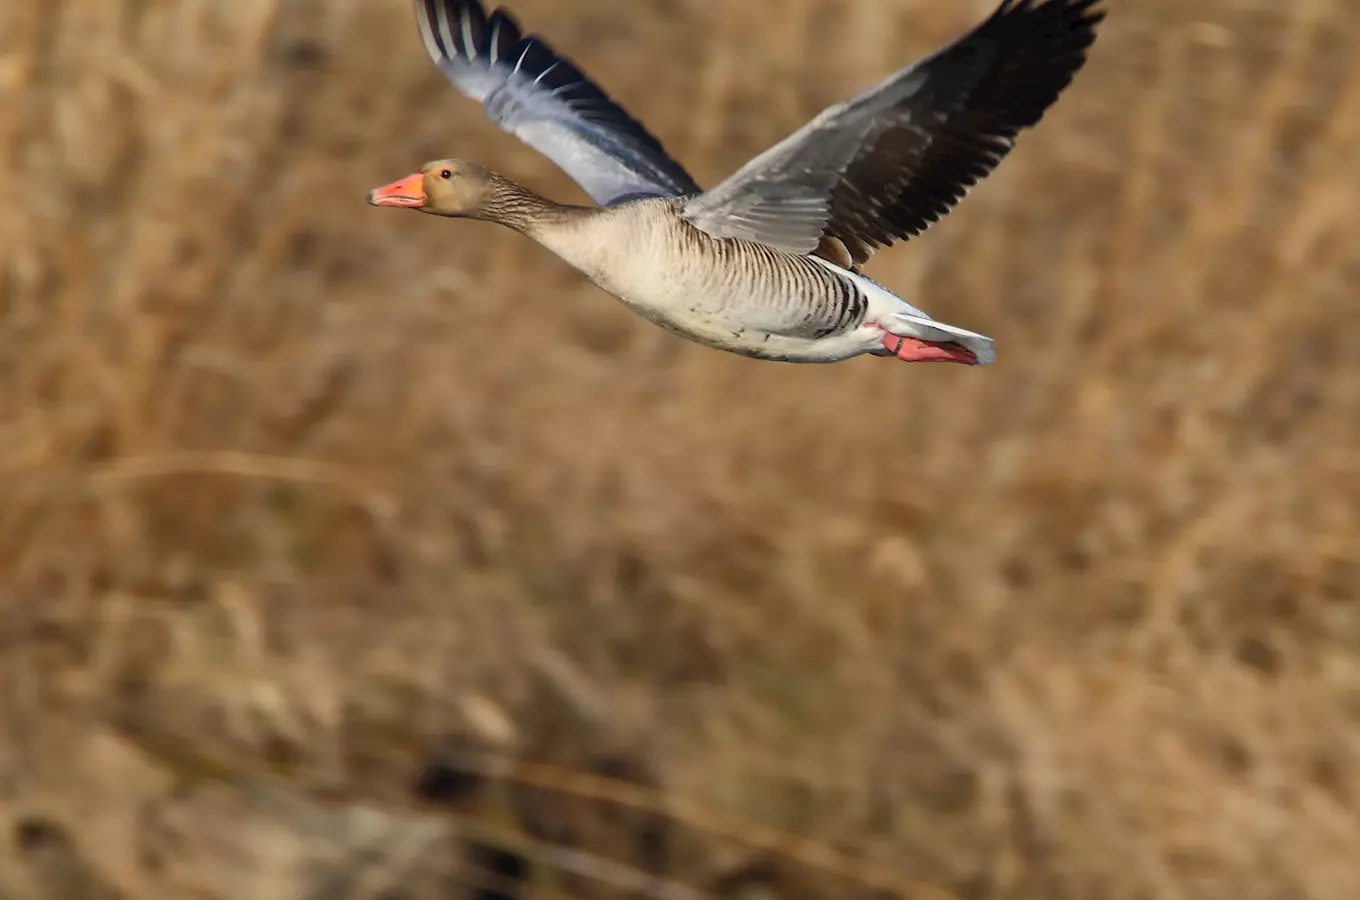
{"x":910,"y":349}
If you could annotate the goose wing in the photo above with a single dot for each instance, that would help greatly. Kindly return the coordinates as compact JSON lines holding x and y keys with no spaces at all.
{"x":887,"y":163}
{"x":544,"y":100}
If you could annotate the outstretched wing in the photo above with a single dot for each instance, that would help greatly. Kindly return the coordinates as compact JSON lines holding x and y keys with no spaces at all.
{"x":887,"y":163}
{"x":546,"y":102}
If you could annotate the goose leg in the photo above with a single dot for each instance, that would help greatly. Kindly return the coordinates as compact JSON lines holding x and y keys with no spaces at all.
{"x":910,"y":349}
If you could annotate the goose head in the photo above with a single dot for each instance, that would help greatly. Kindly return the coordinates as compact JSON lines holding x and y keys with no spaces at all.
{"x":446,"y":187}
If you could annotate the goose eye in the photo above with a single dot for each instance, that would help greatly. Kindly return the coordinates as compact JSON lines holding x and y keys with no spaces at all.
{"x":445,"y":174}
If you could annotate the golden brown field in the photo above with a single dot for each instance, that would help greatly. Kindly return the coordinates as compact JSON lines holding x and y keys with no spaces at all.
{"x":337,"y":544}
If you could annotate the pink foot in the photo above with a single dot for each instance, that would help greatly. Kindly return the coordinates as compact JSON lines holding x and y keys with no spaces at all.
{"x":912,"y":349}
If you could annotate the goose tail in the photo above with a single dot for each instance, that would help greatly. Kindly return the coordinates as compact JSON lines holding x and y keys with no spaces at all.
{"x":923,"y":327}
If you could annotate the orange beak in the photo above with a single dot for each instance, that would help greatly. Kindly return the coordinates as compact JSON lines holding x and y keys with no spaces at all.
{"x":408,"y":192}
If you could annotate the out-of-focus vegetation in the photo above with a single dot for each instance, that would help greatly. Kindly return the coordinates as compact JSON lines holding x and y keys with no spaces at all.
{"x":314,"y":518}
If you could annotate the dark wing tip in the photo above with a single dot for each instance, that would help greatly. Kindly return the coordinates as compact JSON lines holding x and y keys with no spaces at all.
{"x":504,"y":34}
{"x":467,"y":22}
{"x":1003,"y":75}
{"x":462,"y":30}
{"x":1037,"y":47}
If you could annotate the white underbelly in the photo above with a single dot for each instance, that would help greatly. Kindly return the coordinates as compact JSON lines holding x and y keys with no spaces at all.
{"x":717,"y":321}
{"x":689,"y":298}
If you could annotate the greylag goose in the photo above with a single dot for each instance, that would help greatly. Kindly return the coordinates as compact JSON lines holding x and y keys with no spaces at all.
{"x":767,"y":263}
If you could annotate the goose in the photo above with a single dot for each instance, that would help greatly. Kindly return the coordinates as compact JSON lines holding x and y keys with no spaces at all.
{"x":768,"y":263}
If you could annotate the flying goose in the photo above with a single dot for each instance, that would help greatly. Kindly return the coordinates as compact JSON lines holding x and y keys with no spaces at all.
{"x":767,"y":263}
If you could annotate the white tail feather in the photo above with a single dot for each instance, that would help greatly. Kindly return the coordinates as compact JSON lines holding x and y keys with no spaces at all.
{"x":927,"y":329}
{"x":899,"y":317}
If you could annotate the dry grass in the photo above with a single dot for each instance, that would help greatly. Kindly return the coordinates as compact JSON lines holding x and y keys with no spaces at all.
{"x":295,"y":491}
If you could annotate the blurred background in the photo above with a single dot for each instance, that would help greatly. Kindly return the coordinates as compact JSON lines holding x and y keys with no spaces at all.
{"x":354,"y":554}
